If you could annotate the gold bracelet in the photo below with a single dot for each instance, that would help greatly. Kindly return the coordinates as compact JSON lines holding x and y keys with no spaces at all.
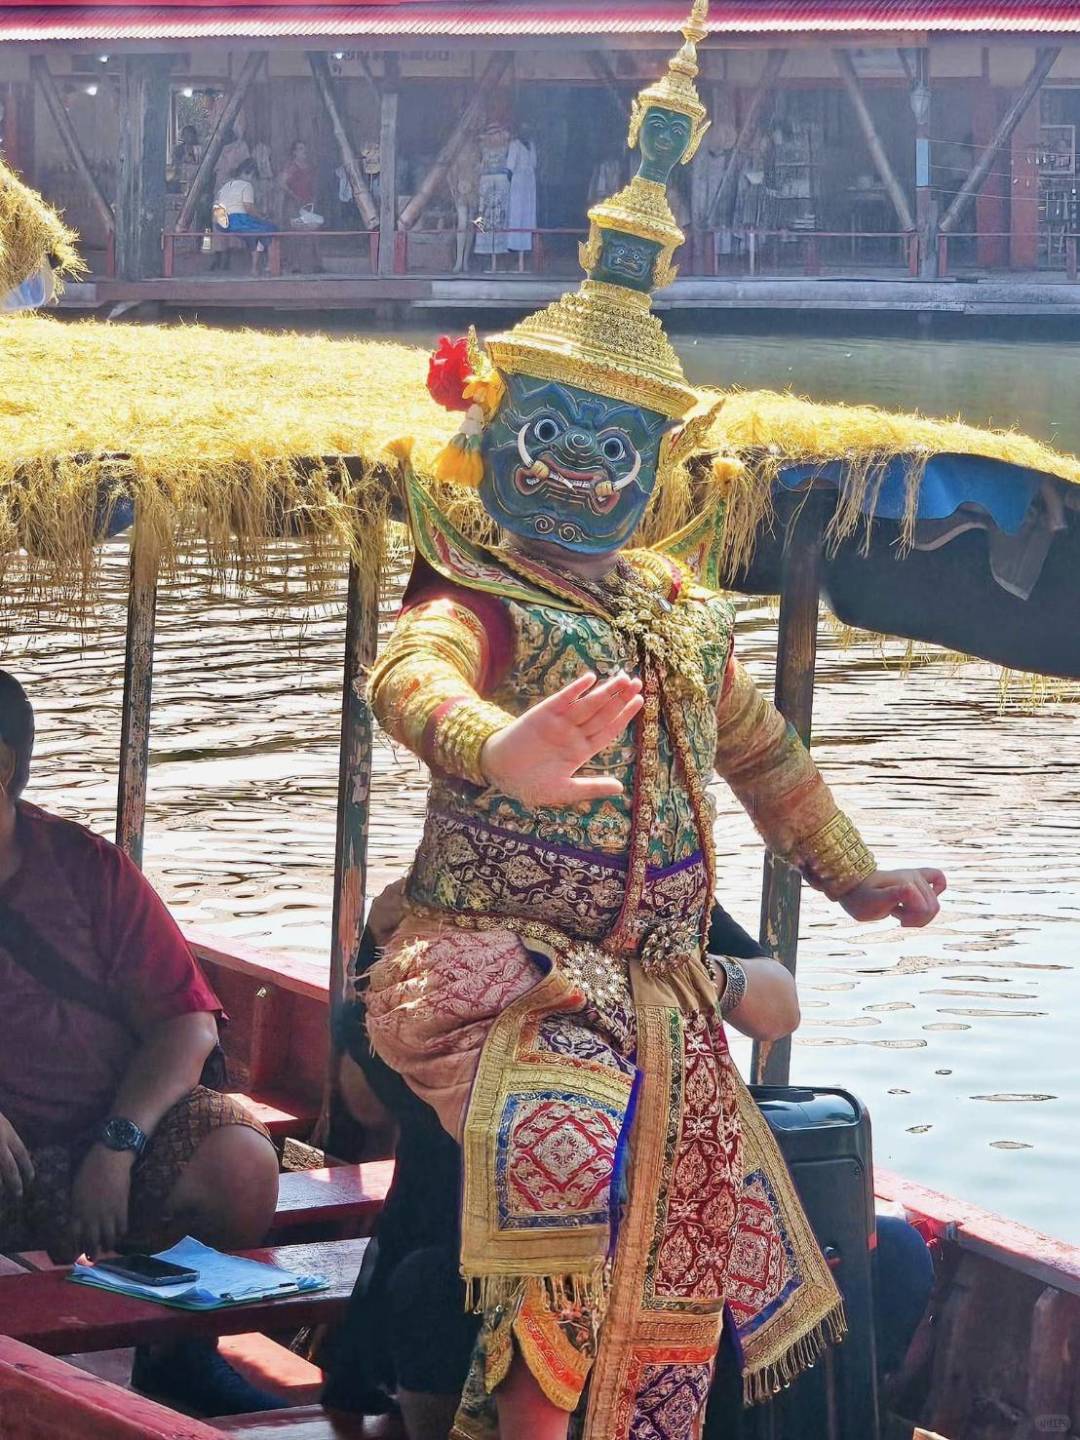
{"x":835,"y":859}
{"x":462,"y":733}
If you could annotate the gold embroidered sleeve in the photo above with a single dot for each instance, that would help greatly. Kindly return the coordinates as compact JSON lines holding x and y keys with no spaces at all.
{"x":423,"y":688}
{"x":771,"y":773}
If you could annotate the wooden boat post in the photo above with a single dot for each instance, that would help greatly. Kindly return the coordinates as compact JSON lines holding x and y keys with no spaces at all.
{"x":353,"y":815}
{"x":138,"y":687}
{"x":795,"y":661}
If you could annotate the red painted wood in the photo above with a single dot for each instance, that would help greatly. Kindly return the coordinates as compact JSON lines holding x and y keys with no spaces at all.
{"x":54,"y":1315}
{"x":344,"y":1192}
{"x":312,"y":1423}
{"x":42,"y":1398}
{"x":1017,"y":1247}
{"x":281,"y":1114}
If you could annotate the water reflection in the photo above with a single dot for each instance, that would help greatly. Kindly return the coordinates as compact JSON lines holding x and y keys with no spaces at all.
{"x":960,"y":1039}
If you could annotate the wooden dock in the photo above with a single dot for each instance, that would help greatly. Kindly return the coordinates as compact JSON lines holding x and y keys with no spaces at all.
{"x":394,"y":295}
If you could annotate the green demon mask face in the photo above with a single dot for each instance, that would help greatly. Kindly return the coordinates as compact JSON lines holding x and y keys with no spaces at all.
{"x":628,"y":260}
{"x":664,"y":140}
{"x":569,"y":467}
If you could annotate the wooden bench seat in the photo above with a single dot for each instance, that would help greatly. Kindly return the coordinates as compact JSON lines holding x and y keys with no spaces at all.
{"x":312,"y":1423}
{"x":41,"y":1396}
{"x":346,"y":1195}
{"x":47,"y":1311}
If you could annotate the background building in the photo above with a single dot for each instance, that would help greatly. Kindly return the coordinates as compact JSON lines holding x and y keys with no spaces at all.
{"x":884,"y":139}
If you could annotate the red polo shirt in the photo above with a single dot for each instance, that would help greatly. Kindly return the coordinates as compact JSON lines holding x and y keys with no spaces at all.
{"x":60,"y":1060}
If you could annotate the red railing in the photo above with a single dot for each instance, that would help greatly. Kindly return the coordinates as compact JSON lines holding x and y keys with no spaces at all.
{"x":540,"y":256}
{"x":273,"y":241}
{"x":809,"y":249}
{"x":1037,"y":242}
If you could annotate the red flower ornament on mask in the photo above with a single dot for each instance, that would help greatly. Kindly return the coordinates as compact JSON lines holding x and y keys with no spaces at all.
{"x":449,"y":371}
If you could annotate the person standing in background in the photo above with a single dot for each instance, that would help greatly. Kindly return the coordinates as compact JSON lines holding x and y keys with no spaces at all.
{"x":521,"y":162}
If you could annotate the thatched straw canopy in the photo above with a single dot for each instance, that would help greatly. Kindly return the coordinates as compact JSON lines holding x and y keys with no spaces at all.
{"x":31,"y":232}
{"x":234,"y":438}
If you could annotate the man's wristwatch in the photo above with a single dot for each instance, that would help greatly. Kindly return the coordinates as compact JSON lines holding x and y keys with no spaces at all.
{"x":120,"y":1134}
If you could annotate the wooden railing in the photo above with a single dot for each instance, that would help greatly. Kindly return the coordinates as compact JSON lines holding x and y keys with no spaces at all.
{"x":273,"y":239}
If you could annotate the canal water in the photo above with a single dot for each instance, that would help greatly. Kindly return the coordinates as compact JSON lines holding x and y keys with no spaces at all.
{"x":961,"y":1038}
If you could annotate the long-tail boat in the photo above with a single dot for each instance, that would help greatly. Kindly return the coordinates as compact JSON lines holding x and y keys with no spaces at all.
{"x":250,"y":446}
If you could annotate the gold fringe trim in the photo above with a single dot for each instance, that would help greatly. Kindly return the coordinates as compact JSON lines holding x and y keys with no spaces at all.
{"x":503,"y":1294}
{"x":761,"y":1385}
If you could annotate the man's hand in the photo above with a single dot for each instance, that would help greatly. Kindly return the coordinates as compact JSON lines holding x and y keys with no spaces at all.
{"x":536,"y":759}
{"x":99,"y":1200}
{"x":387,"y":912}
{"x":910,"y":896}
{"x":16,"y":1167}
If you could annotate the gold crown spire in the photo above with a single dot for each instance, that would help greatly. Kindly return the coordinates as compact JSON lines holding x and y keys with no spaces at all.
{"x":677,"y":89}
{"x":604,"y":337}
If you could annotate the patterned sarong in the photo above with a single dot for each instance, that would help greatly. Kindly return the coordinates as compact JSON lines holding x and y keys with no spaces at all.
{"x":620,"y":1188}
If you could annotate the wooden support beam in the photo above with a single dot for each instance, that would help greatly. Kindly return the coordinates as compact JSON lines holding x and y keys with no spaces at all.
{"x":39,"y":69}
{"x":795,"y":663}
{"x":144,"y":153}
{"x":494,"y":71}
{"x":214,"y":146}
{"x":600,"y":65}
{"x":388,"y":122}
{"x":1044,"y":63}
{"x":324,"y":83}
{"x":724,"y":203}
{"x":138,"y":688}
{"x":887,"y":175}
{"x":353,"y":812}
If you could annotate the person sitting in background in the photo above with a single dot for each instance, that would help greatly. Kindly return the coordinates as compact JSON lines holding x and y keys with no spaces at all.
{"x":235,"y":214}
{"x":108,"y":1138}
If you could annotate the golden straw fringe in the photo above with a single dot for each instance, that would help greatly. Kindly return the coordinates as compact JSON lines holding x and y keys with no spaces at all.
{"x":232,"y":441}
{"x":31,"y":232}
{"x":762,"y":1384}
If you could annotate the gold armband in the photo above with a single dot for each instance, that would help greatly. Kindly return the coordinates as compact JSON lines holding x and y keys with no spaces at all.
{"x":460,"y":735}
{"x":834,"y":859}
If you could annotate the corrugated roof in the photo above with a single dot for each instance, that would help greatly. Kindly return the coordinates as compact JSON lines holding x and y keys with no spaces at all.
{"x":421,"y":19}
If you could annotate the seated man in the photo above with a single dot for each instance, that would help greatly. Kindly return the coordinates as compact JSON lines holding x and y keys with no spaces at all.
{"x":108,"y":1140}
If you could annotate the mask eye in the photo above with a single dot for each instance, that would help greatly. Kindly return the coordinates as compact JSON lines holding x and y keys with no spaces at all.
{"x":613,"y":448}
{"x":546,"y":430}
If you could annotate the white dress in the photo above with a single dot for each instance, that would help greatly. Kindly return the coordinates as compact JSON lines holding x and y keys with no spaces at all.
{"x":521,"y":162}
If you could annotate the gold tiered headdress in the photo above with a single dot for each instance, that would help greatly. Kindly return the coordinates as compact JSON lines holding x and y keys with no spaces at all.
{"x":604,"y":336}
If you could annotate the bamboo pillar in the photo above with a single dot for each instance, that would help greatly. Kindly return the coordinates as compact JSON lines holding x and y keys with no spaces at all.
{"x":795,"y":662}
{"x":140,"y":190}
{"x":724,"y":203}
{"x":39,"y":69}
{"x":216,"y":143}
{"x":1024,"y":193}
{"x":494,"y":71}
{"x":388,"y":199}
{"x":1044,"y":63}
{"x":138,"y":688}
{"x":925,"y":203}
{"x":324,"y":83}
{"x":846,"y":68}
{"x":702,"y":255}
{"x":601,"y":68}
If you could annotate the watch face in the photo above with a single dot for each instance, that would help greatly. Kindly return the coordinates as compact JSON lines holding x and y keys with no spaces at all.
{"x":120,"y":1134}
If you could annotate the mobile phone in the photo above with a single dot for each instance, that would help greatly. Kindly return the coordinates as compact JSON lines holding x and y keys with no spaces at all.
{"x":147,"y":1270}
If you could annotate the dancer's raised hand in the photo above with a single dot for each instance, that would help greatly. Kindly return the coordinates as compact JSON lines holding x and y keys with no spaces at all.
{"x":536,"y":759}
